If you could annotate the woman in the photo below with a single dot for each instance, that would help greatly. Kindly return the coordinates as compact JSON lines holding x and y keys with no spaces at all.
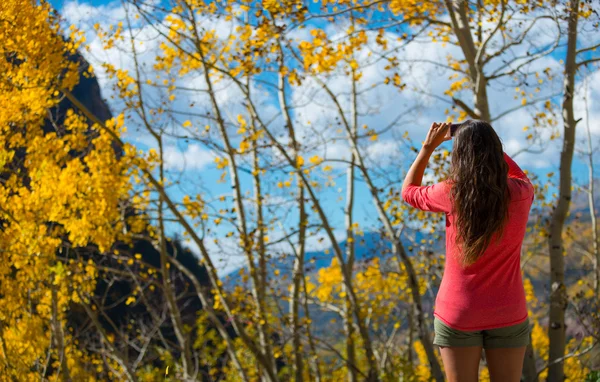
{"x":481,"y":300}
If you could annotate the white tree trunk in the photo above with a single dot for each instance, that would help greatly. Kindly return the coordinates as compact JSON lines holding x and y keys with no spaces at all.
{"x":558,"y":293}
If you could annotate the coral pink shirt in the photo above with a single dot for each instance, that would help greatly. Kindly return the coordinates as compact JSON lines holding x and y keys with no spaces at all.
{"x":489,"y":293}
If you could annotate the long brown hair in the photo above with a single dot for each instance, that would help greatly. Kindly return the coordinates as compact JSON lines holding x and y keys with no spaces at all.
{"x":480,"y":195}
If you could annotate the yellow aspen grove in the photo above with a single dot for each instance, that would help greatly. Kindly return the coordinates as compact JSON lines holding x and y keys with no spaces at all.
{"x":61,"y":189}
{"x":199,"y":190}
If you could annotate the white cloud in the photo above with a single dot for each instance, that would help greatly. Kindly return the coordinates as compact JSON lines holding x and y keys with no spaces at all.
{"x":337,"y":151}
{"x":84,"y":15}
{"x":388,"y":150}
{"x":192,"y":158}
{"x":590,"y":87}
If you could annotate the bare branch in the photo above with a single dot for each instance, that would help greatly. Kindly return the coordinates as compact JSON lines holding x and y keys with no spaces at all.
{"x":567,"y":356}
{"x":521,"y":38}
{"x":586,"y":62}
{"x":529,"y":103}
{"x":593,"y":47}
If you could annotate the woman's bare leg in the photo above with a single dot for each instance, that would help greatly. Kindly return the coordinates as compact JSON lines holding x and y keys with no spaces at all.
{"x":505,"y":364}
{"x":461,"y":363}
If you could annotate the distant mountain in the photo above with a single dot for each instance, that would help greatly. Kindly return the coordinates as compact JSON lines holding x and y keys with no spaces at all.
{"x":327,"y":324}
{"x":368,"y":246}
{"x":580,"y":202}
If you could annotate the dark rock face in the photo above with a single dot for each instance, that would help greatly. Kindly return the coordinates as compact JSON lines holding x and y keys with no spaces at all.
{"x":87,"y":91}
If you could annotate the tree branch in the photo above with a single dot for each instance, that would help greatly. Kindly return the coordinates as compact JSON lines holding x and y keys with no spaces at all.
{"x":591,"y":60}
{"x":522,"y":106}
{"x":466,"y":108}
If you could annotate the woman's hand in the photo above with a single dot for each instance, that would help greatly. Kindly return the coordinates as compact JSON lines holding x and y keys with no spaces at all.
{"x":435,"y":137}
{"x":438,"y":133}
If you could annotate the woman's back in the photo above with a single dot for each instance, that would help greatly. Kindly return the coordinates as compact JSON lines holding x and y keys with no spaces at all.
{"x":489,"y":293}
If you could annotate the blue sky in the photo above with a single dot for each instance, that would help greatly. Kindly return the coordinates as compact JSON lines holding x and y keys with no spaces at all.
{"x":59,"y":3}
{"x":200,"y":175}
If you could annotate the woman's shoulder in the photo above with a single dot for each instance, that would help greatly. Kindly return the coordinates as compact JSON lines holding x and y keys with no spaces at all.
{"x":520,"y":189}
{"x":445,"y":184}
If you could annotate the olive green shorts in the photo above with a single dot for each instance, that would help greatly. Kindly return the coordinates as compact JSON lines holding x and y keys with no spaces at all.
{"x":505,"y":337}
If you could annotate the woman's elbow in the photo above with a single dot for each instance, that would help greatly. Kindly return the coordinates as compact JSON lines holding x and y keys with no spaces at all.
{"x":405,"y":194}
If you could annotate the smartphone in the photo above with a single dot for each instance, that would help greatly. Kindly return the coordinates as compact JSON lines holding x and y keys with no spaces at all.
{"x":451,"y":132}
{"x":453,"y":128}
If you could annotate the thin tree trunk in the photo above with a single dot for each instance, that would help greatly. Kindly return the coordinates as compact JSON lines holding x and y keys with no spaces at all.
{"x":298,"y":268}
{"x":58,"y":336}
{"x":174,"y":312}
{"x":591,"y":201}
{"x":558,"y":292}
{"x":314,"y":357}
{"x":595,"y":236}
{"x":297,"y":277}
{"x":348,"y":322}
{"x":260,"y":288}
{"x":411,"y":330}
{"x":5,"y":361}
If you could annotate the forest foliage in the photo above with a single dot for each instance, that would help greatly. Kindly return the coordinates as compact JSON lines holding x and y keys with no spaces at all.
{"x":97,"y":286}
